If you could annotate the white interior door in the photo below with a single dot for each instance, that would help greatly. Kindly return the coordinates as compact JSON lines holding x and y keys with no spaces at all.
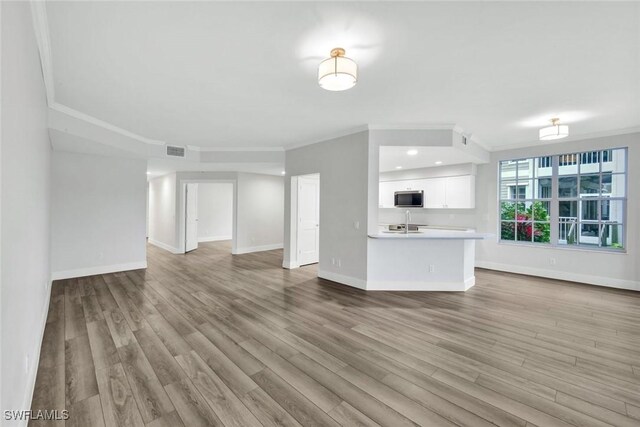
{"x":191,"y":217}
{"x":308,"y":220}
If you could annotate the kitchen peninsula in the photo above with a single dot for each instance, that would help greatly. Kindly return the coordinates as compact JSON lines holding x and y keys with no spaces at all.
{"x":429,"y":259}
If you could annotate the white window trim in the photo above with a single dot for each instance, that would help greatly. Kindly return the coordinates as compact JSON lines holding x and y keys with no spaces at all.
{"x":554,"y":204}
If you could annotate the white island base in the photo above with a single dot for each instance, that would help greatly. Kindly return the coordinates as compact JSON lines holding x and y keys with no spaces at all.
{"x":432,"y":260}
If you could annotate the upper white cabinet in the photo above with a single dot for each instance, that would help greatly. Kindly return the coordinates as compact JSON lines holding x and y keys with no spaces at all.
{"x":387,"y":189}
{"x":460,"y":192}
{"x":435,"y":193}
{"x":454,"y":192}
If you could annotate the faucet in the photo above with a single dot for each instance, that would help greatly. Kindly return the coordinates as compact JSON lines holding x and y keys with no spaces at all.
{"x":407,"y":218}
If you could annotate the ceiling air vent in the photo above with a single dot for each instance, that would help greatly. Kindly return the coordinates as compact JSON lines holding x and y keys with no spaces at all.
{"x":175,"y":151}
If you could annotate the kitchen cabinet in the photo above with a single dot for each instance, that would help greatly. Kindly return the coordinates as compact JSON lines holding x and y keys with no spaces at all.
{"x":386,"y":191}
{"x":452,"y":192}
{"x":435,"y":193}
{"x":460,"y":192}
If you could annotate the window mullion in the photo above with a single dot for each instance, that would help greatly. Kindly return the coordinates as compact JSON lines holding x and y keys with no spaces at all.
{"x":554,"y":205}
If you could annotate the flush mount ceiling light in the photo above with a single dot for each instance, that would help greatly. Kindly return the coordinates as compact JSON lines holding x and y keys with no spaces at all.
{"x":398,"y":167}
{"x":412,"y":152}
{"x":338,"y":72}
{"x":439,"y":162}
{"x":555,"y":131}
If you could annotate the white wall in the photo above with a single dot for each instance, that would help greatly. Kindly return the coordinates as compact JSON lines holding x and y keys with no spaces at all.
{"x":25,"y":226}
{"x":601,"y":268}
{"x":98,"y":214}
{"x":182,"y":178}
{"x":342,"y":165}
{"x":162,"y":212}
{"x":258,"y":209}
{"x":260,"y":212}
{"x":215,"y":211}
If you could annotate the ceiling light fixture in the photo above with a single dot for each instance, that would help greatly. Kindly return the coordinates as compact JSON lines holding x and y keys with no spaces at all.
{"x":555,"y":131}
{"x":439,"y":162}
{"x":283,"y":173}
{"x":412,"y":152}
{"x":398,"y":167}
{"x":338,"y":72}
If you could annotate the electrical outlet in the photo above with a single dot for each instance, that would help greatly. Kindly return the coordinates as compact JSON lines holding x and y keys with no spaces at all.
{"x":432,"y":268}
{"x":552,"y":261}
{"x":356,"y":225}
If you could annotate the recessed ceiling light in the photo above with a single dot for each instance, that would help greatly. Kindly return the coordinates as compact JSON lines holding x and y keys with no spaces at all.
{"x":338,"y":72}
{"x":148,"y":173}
{"x":555,"y":131}
{"x":412,"y":152}
{"x":398,"y":167}
{"x":283,"y":173}
{"x":439,"y":162}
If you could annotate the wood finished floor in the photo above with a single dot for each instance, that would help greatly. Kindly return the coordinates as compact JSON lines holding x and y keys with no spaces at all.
{"x":213,"y":339}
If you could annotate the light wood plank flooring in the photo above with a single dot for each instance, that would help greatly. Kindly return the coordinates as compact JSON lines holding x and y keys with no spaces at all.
{"x":213,"y":339}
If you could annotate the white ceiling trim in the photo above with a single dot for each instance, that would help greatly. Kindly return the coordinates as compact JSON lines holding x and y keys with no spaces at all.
{"x":41,"y":28}
{"x":603,"y":134}
{"x":251,"y":149}
{"x":413,"y":126}
{"x":101,"y":123}
{"x":327,"y":137}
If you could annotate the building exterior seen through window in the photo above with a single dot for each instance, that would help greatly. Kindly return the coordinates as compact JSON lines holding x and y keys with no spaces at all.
{"x":575,"y":199}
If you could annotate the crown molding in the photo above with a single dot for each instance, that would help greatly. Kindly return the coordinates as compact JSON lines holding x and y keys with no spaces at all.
{"x":592,"y":135}
{"x":41,"y":29}
{"x":327,"y":137}
{"x":242,"y":149}
{"x":416,"y":126}
{"x":101,"y":123}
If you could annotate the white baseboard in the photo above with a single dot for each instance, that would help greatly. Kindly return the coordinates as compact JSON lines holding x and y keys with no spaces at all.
{"x":290,"y":265}
{"x":341,"y":278}
{"x":102,"y":269}
{"x":35,"y":358}
{"x":164,"y":246}
{"x":562,"y":275}
{"x":250,"y":249}
{"x":422,"y":286}
{"x":213,"y":238}
{"x":368,"y":285}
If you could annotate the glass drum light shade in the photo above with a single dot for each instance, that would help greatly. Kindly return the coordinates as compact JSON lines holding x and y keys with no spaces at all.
{"x":554,"y":132}
{"x":337,"y":73}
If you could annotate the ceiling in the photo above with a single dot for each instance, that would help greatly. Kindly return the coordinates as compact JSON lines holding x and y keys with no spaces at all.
{"x":238,"y":74}
{"x":426,"y":157}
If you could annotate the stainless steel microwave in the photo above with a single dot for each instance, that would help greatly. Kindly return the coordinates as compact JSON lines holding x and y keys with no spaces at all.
{"x":408,"y":199}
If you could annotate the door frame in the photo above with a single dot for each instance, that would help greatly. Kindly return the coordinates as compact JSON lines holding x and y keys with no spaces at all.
{"x":182,"y":206}
{"x":293,"y":240}
{"x":186,"y":208}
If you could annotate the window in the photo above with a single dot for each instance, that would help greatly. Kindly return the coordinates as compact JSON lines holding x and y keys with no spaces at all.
{"x":568,"y":200}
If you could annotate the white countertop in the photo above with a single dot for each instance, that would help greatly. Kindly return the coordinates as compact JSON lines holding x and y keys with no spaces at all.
{"x":435,"y":233}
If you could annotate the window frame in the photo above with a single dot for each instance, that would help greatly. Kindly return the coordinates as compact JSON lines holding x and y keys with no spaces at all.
{"x":555,"y":199}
